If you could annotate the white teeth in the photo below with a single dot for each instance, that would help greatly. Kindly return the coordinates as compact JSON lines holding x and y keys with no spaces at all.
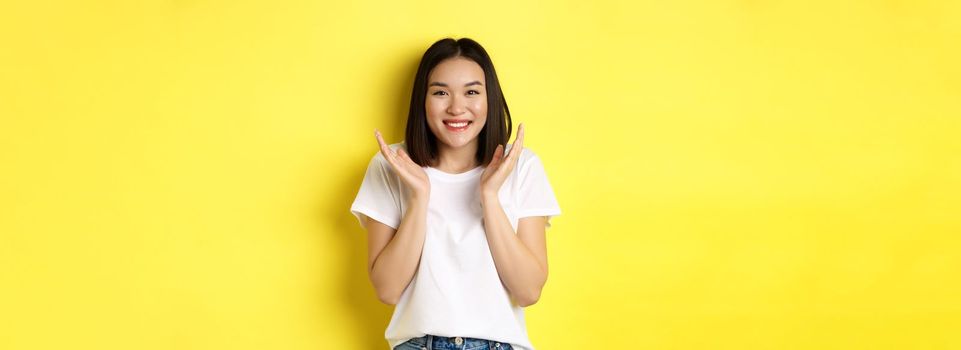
{"x":458,"y":125}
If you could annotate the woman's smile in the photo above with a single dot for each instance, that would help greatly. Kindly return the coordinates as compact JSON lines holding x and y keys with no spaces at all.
{"x":457,"y":125}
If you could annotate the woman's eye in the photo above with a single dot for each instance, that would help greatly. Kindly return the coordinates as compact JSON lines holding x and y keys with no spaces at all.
{"x":439,"y":92}
{"x":475,"y":92}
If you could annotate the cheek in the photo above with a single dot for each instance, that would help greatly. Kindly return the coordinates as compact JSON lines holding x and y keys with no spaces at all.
{"x":433,"y":108}
{"x":481,"y":120}
{"x":480,"y":107}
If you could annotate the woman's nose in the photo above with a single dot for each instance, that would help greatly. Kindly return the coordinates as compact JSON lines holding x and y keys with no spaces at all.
{"x":457,"y":106}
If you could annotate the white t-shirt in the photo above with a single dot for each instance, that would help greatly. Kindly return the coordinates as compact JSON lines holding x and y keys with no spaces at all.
{"x":456,"y":291}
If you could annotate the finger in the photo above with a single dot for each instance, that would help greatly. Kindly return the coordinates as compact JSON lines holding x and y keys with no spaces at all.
{"x":380,"y":140}
{"x":498,"y":154}
{"x":405,"y":157}
{"x":384,"y":149}
{"x":520,"y":134}
{"x":518,"y":145}
{"x":383,"y":145}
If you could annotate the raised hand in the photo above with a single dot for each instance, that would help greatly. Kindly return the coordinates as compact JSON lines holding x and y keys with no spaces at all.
{"x":410,"y":173}
{"x":501,"y":166}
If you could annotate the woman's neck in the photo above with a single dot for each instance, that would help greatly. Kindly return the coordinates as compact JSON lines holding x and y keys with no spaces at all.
{"x":456,"y":160}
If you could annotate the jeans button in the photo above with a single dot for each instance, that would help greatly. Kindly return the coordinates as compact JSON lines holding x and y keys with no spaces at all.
{"x":497,"y":345}
{"x":458,"y":340}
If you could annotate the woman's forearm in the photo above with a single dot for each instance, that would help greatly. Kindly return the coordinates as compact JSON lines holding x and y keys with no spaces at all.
{"x":395,"y":266}
{"x":518,"y":267}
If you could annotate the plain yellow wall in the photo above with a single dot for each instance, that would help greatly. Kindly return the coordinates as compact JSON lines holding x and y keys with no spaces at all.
{"x":732,"y":174}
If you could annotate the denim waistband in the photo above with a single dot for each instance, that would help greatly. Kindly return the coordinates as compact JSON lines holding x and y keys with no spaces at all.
{"x":433,"y":342}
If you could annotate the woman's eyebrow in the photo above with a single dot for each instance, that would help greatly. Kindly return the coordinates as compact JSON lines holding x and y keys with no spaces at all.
{"x":437,"y":83}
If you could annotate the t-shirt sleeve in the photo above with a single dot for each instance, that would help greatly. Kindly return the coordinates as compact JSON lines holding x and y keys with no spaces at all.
{"x":379,"y":194}
{"x":535,"y":194}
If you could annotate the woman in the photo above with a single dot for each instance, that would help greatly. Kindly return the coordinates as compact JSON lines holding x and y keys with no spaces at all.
{"x":456,"y":217}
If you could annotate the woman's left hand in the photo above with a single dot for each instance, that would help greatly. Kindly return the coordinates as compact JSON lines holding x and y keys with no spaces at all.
{"x":500,"y":166}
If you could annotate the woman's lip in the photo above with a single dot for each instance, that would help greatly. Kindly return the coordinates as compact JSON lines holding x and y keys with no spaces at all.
{"x":451,"y":128}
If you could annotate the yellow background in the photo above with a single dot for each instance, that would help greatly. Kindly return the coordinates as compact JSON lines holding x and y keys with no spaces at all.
{"x":732,"y":174}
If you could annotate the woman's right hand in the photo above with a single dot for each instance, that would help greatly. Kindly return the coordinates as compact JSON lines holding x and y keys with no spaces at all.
{"x":412,"y":174}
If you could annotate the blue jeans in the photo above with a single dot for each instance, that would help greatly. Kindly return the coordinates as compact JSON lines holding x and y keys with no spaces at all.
{"x":433,"y":342}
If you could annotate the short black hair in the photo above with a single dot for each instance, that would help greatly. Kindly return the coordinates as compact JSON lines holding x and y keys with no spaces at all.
{"x":420,"y":141}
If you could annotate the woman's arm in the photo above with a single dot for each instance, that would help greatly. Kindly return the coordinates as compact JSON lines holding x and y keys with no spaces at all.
{"x":393,"y":257}
{"x":521,"y":259}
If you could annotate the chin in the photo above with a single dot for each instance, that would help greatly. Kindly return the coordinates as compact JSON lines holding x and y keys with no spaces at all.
{"x":456,"y":140}
{"x":458,"y":143}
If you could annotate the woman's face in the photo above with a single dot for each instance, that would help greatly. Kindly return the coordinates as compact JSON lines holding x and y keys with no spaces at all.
{"x":456,"y":101}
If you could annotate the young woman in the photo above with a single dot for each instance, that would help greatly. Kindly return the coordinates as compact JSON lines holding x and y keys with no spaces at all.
{"x":455,"y":216}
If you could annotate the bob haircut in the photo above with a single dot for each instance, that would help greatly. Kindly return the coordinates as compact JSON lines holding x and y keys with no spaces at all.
{"x":420,"y":141}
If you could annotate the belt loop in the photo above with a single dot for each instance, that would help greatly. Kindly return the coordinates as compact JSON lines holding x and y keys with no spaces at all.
{"x":430,"y":342}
